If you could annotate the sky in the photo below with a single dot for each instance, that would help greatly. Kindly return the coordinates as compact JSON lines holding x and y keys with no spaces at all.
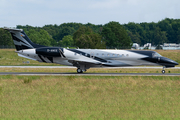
{"x":45,"y":12}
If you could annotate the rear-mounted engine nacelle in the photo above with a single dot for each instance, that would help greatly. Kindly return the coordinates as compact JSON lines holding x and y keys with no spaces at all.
{"x":50,"y":52}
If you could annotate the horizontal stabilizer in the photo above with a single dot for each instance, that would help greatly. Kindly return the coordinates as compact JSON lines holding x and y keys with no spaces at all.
{"x":13,"y":29}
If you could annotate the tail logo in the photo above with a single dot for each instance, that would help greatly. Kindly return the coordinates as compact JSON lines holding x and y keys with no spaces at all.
{"x":22,"y":35}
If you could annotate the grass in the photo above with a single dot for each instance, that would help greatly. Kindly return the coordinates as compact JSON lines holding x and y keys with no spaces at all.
{"x":8,"y":57}
{"x":89,"y":97}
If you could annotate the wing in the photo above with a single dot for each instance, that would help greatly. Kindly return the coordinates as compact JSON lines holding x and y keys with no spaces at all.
{"x":77,"y":62}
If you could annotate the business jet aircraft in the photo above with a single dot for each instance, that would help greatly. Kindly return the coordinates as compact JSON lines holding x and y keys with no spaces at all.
{"x":84,"y":59}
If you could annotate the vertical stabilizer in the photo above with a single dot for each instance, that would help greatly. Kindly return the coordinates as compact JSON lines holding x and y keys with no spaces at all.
{"x":21,"y":40}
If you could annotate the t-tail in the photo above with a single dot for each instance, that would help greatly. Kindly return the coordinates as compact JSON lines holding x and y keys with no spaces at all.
{"x":21,"y":40}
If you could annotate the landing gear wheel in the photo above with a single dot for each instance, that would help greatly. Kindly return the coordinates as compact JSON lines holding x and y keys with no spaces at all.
{"x":79,"y":71}
{"x":163,"y":71}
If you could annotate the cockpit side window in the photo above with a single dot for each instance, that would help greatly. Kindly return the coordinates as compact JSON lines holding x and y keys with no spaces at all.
{"x":156,"y":54}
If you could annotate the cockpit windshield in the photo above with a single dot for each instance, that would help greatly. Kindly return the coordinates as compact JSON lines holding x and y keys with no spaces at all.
{"x":156,"y":54}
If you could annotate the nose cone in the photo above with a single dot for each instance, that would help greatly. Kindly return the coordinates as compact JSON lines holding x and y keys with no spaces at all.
{"x":168,"y":62}
{"x":176,"y":63}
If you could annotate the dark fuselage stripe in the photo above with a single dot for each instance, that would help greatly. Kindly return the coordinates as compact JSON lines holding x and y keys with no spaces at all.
{"x":50,"y":59}
{"x":41,"y":58}
{"x":147,"y":53}
{"x":88,"y":55}
{"x":61,"y":53}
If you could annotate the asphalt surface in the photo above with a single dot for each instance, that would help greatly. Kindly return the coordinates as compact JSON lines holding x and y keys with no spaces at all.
{"x":88,"y":74}
{"x":75,"y":67}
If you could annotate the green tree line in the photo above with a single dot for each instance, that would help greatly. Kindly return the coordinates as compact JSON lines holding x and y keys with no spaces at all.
{"x":165,"y":31}
{"x":110,"y":35}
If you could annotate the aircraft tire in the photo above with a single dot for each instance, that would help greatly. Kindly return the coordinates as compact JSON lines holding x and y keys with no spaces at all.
{"x":79,"y":70}
{"x":163,"y":71}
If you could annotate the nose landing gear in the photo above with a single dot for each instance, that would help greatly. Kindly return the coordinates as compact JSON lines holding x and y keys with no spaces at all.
{"x":163,"y":71}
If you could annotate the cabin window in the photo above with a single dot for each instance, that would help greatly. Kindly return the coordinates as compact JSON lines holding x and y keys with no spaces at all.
{"x":103,"y":55}
{"x":122,"y":55}
{"x":92,"y":55}
{"x":113,"y":55}
{"x":107,"y":54}
{"x":118,"y":55}
{"x":127,"y":55}
{"x":97,"y":54}
{"x":75,"y":53}
{"x":156,"y":54}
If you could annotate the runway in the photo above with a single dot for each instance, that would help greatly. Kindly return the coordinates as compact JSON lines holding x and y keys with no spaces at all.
{"x":75,"y":67}
{"x":87,"y":74}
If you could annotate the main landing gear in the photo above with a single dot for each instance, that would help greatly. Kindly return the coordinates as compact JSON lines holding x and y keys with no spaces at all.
{"x":80,"y":70}
{"x":163,"y":71}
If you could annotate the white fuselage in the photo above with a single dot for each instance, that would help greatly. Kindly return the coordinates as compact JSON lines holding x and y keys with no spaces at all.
{"x":111,"y":57}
